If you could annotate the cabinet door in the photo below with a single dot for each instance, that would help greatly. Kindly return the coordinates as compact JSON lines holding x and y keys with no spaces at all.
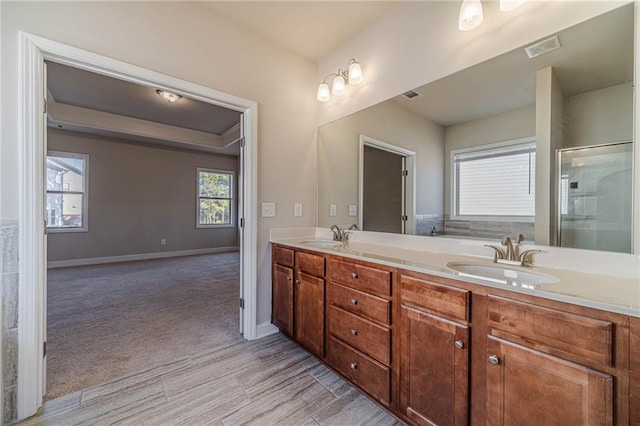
{"x":434,"y":369}
{"x":528,"y":387}
{"x":309,"y":308}
{"x":282,"y":299}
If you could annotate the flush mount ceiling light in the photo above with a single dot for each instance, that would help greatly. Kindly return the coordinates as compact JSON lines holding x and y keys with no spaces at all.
{"x":471,"y":13}
{"x":168,"y":96}
{"x":352,"y":75}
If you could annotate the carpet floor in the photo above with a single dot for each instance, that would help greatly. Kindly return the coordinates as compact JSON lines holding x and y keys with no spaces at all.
{"x":109,"y":321}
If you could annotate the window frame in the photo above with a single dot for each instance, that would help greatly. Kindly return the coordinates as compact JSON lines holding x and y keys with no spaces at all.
{"x":85,"y":193}
{"x":453,"y":189}
{"x":232,"y":199}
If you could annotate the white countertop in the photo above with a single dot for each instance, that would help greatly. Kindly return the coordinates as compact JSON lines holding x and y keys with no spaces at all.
{"x":607,"y":281}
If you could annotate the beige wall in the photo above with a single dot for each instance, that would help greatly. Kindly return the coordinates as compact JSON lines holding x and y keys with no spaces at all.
{"x":187,"y":41}
{"x":516,"y":124}
{"x":600,"y":116}
{"x":338,"y":156}
{"x":138,"y":194}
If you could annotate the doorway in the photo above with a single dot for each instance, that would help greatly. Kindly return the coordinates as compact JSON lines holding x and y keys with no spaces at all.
{"x":386,"y":189}
{"x":32,"y":309}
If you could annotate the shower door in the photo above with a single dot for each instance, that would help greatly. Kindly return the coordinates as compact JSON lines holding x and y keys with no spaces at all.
{"x":594,"y":202}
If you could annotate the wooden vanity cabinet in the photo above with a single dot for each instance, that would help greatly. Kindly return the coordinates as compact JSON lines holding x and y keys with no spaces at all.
{"x":359,"y":330}
{"x":298,"y":288}
{"x":634,"y":374}
{"x":433,"y":352}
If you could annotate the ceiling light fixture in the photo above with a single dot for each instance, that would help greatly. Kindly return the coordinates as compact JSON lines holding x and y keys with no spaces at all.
{"x":168,"y":96}
{"x":471,"y":13}
{"x":352,"y":75}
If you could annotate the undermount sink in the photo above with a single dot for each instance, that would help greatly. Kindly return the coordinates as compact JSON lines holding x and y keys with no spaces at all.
{"x":501,"y":274}
{"x":322,"y":243}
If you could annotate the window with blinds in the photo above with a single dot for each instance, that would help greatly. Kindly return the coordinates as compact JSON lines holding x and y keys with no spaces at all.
{"x":495,"y":180}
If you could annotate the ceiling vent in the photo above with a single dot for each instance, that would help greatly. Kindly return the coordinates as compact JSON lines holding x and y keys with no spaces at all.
{"x":411,"y":94}
{"x":542,"y":47}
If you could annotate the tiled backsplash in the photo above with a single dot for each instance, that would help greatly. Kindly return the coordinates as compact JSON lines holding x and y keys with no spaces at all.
{"x":10,"y":280}
{"x":488,"y":229}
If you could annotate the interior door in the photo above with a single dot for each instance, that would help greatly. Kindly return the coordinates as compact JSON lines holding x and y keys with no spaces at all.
{"x":383,"y":198}
{"x":44,"y":165}
{"x":241,"y":219}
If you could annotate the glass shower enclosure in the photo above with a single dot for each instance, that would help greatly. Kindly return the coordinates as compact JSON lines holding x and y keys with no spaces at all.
{"x":595,"y":197}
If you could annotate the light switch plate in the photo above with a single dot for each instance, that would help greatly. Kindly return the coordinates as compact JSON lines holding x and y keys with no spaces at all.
{"x":353,"y":210}
{"x":297,"y":209}
{"x":332,"y":209}
{"x":268,"y":209}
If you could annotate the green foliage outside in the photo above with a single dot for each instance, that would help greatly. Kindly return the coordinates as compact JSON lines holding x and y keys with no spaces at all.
{"x":215,"y":198}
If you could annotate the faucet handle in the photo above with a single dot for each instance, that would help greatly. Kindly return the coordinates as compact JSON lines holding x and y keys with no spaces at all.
{"x":525,"y":257}
{"x":519,"y":238}
{"x":505,"y":241}
{"x":498,"y":252}
{"x":345,"y":236}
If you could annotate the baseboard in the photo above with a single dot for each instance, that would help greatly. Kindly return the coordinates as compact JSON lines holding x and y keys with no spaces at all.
{"x":266,"y":329}
{"x":134,"y":257}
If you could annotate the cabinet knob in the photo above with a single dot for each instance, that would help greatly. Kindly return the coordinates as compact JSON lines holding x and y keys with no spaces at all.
{"x":353,"y":365}
{"x":354,"y":301}
{"x":494,"y":360}
{"x":354,"y":332}
{"x":459,"y":344}
{"x":354,"y":275}
{"x":297,"y":281}
{"x":288,"y":278}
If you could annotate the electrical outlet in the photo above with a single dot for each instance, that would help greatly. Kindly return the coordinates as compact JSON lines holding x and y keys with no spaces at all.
{"x":163,"y":242}
{"x":297,"y":209}
{"x":268,"y":209}
{"x":332,"y":209}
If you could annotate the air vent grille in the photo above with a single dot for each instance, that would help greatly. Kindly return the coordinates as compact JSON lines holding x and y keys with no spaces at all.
{"x":411,"y":94}
{"x":542,"y":47}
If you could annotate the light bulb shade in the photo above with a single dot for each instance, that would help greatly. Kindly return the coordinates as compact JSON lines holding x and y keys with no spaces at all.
{"x":471,"y":15}
{"x":323,"y":92}
{"x":355,"y":73}
{"x":338,"y":87}
{"x":507,"y":5}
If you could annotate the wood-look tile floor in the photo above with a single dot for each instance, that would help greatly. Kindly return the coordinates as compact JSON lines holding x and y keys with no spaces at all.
{"x":264,"y":382}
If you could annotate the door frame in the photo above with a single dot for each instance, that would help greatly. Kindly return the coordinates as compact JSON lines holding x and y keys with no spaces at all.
{"x":33,"y":51}
{"x":410,"y":188}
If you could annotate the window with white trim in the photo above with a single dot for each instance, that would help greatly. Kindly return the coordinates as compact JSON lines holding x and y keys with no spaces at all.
{"x":494,"y":181}
{"x":67,"y":191}
{"x":215,"y":198}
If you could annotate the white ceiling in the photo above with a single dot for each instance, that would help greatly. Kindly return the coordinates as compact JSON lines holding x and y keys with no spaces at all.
{"x":309,"y":28}
{"x":595,"y":54}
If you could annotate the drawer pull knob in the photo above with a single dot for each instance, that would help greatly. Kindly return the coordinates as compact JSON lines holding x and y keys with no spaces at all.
{"x":494,"y":360}
{"x":459,"y":344}
{"x":354,"y":301}
{"x":288,"y":278}
{"x":354,"y":275}
{"x":354,"y":332}
{"x":353,"y":366}
{"x":297,"y":281}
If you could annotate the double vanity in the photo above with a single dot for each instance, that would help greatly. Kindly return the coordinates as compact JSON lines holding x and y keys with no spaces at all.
{"x":437,"y":333}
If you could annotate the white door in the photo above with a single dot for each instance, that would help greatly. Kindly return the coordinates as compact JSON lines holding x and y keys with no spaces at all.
{"x":241,"y":219}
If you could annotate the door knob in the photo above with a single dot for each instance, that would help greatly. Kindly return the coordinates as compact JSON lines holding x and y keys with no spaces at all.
{"x":494,"y":360}
{"x":459,"y":344}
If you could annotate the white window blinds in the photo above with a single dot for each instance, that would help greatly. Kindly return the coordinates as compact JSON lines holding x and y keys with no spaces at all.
{"x":495,"y":181}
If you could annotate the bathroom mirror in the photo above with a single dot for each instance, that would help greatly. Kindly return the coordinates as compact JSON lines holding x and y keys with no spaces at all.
{"x":512,"y":145}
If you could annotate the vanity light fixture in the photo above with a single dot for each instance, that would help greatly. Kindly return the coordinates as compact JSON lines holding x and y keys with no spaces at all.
{"x":351,"y":75}
{"x":168,"y":96}
{"x":471,"y":13}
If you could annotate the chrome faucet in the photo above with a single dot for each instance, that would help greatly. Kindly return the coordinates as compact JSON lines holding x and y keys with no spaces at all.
{"x":511,"y":254}
{"x":337,"y":233}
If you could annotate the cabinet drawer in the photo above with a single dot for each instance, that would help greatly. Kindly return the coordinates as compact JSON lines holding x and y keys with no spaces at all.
{"x":559,"y":333}
{"x":370,"y":338}
{"x":312,"y":264}
{"x":372,"y":377}
{"x":360,"y":277}
{"x":360,"y":303}
{"x":283,"y":256}
{"x":438,"y":298}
